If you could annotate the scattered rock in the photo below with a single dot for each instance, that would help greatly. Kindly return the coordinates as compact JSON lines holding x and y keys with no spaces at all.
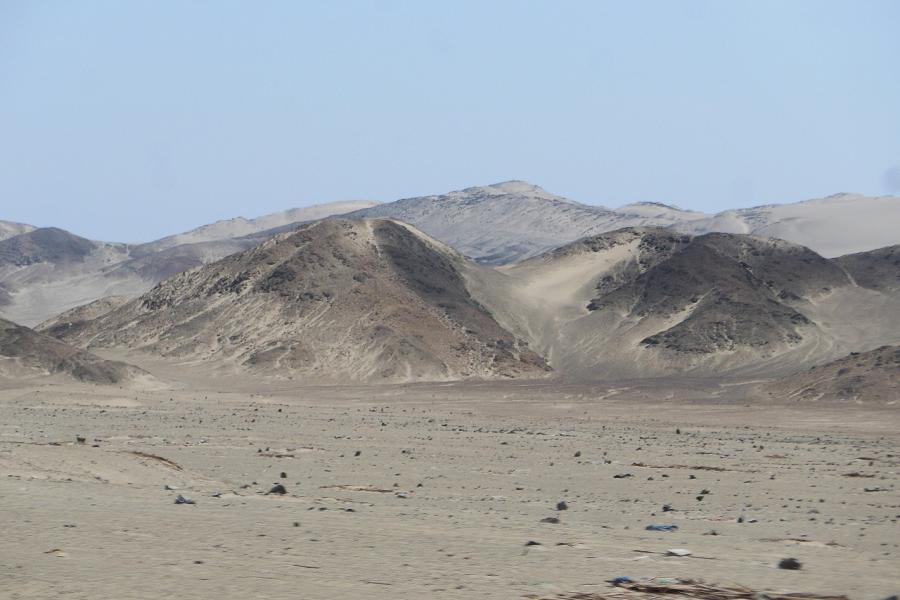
{"x":553,"y":520}
{"x":179,"y":499}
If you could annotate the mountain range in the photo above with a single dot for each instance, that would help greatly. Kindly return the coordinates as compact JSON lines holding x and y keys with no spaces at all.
{"x":498,"y":281}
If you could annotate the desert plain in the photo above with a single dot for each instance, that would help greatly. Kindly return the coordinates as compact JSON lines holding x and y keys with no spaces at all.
{"x":437,"y":490}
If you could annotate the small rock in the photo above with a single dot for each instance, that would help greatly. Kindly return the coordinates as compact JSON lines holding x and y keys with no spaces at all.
{"x":561,"y":505}
{"x":791,"y":564}
{"x":278,"y":489}
{"x":577,"y":454}
{"x":283,"y":475}
{"x":532,"y":543}
{"x":179,"y":499}
{"x":553,"y":520}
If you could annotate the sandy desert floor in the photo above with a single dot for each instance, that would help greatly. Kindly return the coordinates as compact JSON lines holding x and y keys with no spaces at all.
{"x":433,"y":491}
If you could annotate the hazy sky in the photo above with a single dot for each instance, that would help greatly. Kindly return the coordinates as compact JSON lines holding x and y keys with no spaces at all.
{"x":130,"y":120}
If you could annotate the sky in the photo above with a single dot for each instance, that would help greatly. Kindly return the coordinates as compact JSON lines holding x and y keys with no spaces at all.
{"x":127,"y":121}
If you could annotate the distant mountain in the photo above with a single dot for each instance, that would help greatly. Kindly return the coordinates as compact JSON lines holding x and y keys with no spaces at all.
{"x":241,"y":227}
{"x":27,"y":353}
{"x":514,"y":220}
{"x":872,"y":376}
{"x":832,"y":226}
{"x":9,"y":229}
{"x":45,"y":245}
{"x":335,"y":300}
{"x":46,"y":271}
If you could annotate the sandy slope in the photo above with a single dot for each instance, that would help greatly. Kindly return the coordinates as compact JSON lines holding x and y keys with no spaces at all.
{"x":450,"y":483}
{"x":10,"y":229}
{"x":833,"y":226}
{"x":239,"y":226}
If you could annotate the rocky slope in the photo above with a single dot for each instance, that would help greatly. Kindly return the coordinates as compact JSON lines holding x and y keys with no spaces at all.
{"x":645,"y":302}
{"x":872,"y":376}
{"x":336,"y":300}
{"x":27,"y":353}
{"x":46,"y":271}
{"x":876,"y":269}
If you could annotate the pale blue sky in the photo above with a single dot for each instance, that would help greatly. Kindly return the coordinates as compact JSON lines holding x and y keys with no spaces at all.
{"x":131,"y":120}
